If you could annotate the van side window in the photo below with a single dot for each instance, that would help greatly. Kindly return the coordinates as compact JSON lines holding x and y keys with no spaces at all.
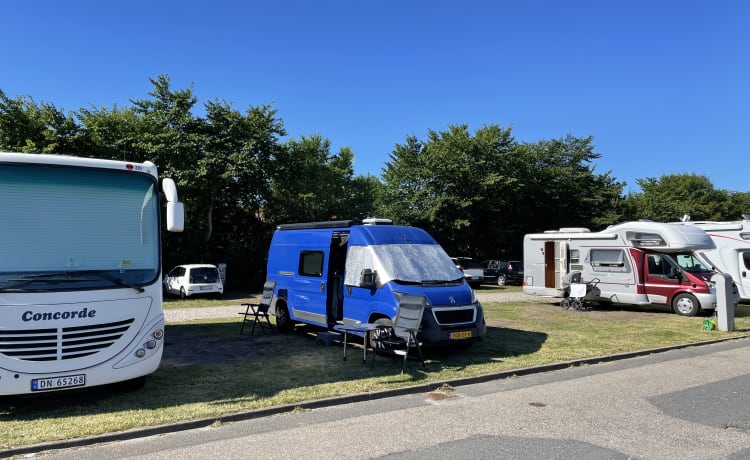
{"x":746,"y":259}
{"x":575,"y":257}
{"x":608,"y":260}
{"x":311,"y":263}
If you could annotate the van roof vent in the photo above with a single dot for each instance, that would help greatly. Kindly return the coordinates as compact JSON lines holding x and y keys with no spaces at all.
{"x":377,"y":221}
{"x":574,"y":230}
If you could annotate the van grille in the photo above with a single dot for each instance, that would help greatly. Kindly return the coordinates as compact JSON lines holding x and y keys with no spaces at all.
{"x":454,"y":316}
{"x":58,"y":344}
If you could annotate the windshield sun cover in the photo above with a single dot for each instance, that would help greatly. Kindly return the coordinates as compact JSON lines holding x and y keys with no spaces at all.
{"x":415,"y":263}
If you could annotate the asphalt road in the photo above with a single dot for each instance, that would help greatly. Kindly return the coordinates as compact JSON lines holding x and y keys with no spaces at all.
{"x":691,"y":403}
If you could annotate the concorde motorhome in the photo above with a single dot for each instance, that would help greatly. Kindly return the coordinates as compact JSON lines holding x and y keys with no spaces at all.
{"x":635,"y":263}
{"x":330,"y":273}
{"x":732,"y":252}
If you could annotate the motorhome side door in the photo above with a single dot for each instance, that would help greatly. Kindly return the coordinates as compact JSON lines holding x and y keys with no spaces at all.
{"x":744,"y":265}
{"x":555,"y":263}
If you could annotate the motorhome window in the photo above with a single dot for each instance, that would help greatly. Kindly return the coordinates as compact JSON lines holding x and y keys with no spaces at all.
{"x":608,"y":260}
{"x":575,"y":256}
{"x":745,"y":236}
{"x":640,"y":239}
{"x":311,"y":263}
{"x":405,"y":262}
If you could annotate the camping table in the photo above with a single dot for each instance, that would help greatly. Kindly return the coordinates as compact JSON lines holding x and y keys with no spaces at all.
{"x":360,"y":329}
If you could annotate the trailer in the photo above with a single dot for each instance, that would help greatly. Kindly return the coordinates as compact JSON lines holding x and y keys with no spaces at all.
{"x":731,"y":254}
{"x":639,"y":262}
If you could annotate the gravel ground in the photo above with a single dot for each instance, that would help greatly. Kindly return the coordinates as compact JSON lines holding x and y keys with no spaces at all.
{"x":187,"y":314}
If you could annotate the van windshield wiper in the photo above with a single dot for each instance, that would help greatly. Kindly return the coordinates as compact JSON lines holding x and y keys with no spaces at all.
{"x":439,"y":282}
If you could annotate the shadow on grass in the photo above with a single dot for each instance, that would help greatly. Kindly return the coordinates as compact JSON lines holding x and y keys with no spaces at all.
{"x":211,"y":363}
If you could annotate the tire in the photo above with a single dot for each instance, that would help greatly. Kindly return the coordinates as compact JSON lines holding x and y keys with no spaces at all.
{"x":283,"y":321}
{"x":182,"y":293}
{"x":501,"y":280}
{"x":686,"y":304}
{"x":385,"y":322}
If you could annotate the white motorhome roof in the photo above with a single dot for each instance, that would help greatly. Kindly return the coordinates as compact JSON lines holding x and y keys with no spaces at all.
{"x":721,"y":226}
{"x":643,"y":234}
{"x":672,"y":237}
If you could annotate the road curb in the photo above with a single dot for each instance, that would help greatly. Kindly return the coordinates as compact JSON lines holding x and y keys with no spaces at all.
{"x":348,"y":399}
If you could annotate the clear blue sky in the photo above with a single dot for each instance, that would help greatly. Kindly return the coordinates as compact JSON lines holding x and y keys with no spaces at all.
{"x":662,"y":86}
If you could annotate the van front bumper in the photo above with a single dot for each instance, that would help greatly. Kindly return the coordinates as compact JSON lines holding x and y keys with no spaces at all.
{"x":448,"y":325}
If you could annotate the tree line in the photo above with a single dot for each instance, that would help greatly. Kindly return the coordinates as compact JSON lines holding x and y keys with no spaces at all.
{"x":239,"y":176}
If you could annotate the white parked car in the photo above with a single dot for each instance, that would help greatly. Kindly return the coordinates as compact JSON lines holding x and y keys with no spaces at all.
{"x":193,"y":279}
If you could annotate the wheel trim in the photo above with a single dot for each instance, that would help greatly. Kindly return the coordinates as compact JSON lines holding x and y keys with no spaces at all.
{"x":685,"y":305}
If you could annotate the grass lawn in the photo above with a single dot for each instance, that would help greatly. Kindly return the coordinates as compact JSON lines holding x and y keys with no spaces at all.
{"x":240,"y":373}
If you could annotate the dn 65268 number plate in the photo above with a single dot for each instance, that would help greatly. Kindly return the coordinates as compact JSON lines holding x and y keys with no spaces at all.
{"x":56,"y":383}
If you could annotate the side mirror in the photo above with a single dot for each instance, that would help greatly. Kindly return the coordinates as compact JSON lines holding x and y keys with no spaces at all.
{"x":368,"y":279}
{"x":175,"y":209}
{"x":675,"y":273}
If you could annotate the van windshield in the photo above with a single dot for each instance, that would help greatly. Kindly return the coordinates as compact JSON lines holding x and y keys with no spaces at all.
{"x":411,"y":263}
{"x":690,"y":264}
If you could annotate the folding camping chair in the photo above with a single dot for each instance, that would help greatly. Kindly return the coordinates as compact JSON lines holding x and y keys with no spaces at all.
{"x":402,"y":336}
{"x":257,"y":313}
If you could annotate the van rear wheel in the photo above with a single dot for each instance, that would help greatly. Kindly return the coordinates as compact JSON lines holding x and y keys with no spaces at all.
{"x":686,"y":304}
{"x":283,"y":321}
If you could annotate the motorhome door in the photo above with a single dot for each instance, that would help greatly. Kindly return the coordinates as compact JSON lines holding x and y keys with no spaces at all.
{"x":555,"y":263}
{"x":744,"y":264}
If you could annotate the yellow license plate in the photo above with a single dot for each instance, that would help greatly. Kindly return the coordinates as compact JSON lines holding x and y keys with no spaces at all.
{"x":460,"y":335}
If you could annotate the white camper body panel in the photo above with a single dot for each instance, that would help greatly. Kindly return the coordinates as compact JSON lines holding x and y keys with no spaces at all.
{"x":550,"y":256}
{"x":732,"y":252}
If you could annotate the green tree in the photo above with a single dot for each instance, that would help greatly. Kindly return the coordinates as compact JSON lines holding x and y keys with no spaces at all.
{"x":26,"y":126}
{"x":672,"y":196}
{"x":309,"y":183}
{"x":454,"y":185}
{"x":478,"y":195}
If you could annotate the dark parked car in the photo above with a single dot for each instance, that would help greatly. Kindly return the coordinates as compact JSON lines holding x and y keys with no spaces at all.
{"x":503,"y":272}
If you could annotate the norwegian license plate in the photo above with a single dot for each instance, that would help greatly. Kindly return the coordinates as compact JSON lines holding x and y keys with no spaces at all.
{"x":56,"y":383}
{"x":460,"y":335}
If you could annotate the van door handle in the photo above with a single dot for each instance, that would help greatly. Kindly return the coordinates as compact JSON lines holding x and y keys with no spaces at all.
{"x":322,"y":286}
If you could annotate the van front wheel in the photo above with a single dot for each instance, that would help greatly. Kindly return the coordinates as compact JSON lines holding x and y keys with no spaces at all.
{"x":686,"y":304}
{"x":385,"y":325}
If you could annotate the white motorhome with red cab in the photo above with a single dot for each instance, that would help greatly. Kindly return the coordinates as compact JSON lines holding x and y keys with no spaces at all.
{"x":639,"y":262}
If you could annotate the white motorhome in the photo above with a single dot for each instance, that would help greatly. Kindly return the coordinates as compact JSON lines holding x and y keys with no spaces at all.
{"x":639,"y":262}
{"x":732,"y":252}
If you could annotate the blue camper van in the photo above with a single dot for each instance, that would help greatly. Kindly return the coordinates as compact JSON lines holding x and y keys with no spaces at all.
{"x":340,"y":272}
